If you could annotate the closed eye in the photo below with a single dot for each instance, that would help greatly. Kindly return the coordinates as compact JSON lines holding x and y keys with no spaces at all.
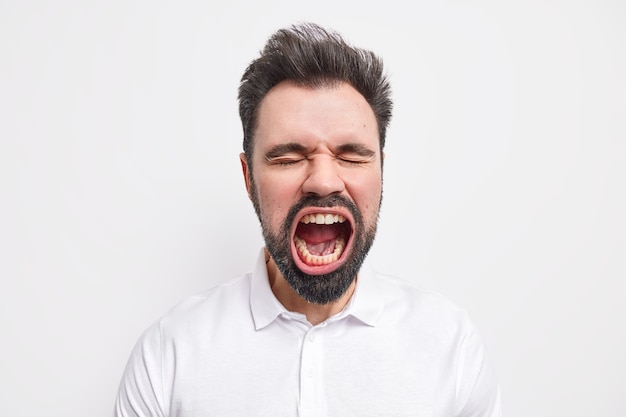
{"x":354,"y":153}
{"x":353,"y":159}
{"x":285,"y":154}
{"x":286,"y":161}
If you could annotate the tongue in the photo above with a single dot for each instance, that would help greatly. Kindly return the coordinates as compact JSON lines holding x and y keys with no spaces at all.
{"x":321,"y":249}
{"x":315,"y":234}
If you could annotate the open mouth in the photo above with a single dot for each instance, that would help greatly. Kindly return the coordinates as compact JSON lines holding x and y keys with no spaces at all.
{"x":321,"y":238}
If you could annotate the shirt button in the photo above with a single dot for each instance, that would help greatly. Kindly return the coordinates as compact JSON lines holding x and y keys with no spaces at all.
{"x":309,"y":373}
{"x":312,"y":337}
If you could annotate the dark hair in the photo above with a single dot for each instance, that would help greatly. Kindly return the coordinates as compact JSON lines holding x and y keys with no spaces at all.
{"x":312,"y":56}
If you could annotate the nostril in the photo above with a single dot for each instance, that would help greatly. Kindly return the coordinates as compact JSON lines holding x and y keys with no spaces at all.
{"x":322,"y":184}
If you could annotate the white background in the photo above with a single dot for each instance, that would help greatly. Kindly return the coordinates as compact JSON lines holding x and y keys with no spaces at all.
{"x":121,"y":190}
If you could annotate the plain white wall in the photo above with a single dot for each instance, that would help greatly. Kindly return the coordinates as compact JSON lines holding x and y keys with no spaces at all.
{"x":121,"y":190}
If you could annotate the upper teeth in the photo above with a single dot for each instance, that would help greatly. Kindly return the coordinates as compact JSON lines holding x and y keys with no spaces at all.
{"x":323,"y":218}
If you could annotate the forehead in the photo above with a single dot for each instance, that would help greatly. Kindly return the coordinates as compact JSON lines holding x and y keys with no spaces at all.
{"x":330,"y":114}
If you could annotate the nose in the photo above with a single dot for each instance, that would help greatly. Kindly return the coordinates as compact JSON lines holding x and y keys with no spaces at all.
{"x":323,"y":177}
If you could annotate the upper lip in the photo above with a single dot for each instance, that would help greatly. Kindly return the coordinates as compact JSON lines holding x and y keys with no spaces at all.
{"x":323,"y":210}
{"x":326,"y":210}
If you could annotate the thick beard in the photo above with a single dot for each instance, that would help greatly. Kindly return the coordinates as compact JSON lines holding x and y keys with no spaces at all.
{"x":317,"y":289}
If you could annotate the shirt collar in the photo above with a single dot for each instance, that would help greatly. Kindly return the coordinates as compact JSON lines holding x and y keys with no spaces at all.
{"x":264,"y":305}
{"x":366,"y":303}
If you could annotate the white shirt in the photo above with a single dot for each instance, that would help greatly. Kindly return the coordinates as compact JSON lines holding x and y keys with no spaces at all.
{"x":234,"y":350}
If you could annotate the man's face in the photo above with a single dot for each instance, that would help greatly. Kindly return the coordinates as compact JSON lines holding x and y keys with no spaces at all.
{"x":316,"y":185}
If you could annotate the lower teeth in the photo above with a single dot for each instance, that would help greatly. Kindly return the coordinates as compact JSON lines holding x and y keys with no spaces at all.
{"x":317,"y":260}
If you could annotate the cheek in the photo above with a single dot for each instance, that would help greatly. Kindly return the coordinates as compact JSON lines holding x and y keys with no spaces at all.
{"x":366,"y":187}
{"x":273,"y":208}
{"x":276,"y":193}
{"x":367,"y":197}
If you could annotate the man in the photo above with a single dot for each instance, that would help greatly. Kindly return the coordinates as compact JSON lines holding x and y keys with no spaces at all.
{"x":312,"y":331}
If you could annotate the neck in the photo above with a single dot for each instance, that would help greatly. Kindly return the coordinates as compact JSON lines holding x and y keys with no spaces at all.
{"x":315,"y":313}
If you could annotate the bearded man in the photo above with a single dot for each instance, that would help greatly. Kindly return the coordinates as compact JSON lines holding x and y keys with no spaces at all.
{"x":312,"y":330}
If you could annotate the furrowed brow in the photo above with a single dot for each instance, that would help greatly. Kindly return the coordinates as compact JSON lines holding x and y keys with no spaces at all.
{"x":283,"y":149}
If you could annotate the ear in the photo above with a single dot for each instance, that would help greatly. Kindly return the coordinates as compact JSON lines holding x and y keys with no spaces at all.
{"x":245,"y":169}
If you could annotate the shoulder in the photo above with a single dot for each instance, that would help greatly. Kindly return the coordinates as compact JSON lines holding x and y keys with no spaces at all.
{"x":395,"y":288}
{"x":227,"y":302}
{"x":415,"y":305}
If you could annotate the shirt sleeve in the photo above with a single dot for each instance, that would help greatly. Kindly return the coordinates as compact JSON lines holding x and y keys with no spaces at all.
{"x":478,"y":392}
{"x":140,"y":392}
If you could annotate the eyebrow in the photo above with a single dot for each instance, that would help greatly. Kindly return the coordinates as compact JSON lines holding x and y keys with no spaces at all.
{"x":355,"y":148}
{"x":284,"y":148}
{"x":295,"y":147}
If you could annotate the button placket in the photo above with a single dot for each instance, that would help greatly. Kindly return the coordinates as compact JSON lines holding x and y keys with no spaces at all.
{"x":311,"y":387}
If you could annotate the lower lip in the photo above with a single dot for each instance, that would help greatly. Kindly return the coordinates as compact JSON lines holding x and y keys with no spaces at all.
{"x":318,"y":269}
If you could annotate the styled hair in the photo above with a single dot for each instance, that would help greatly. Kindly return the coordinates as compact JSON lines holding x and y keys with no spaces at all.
{"x":312,"y":56}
